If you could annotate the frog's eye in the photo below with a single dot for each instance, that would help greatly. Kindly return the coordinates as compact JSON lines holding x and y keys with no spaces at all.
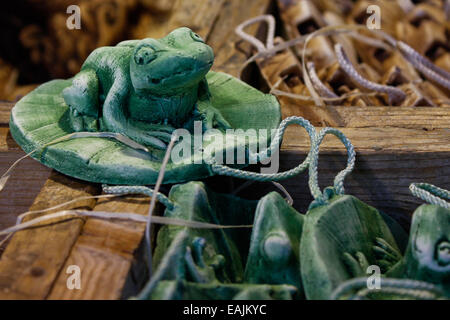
{"x":144,"y":55}
{"x":196,"y":37}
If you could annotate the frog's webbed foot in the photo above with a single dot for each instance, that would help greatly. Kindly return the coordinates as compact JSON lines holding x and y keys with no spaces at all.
{"x":357,"y":267}
{"x":214,"y":119}
{"x":387,"y":256}
{"x":211,"y":117}
{"x":153,"y":135}
{"x":82,"y":99}
{"x":198,"y":270}
{"x":81,"y":122}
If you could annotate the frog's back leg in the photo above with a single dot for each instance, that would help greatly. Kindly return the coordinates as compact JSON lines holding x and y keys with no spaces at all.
{"x":83,"y":101}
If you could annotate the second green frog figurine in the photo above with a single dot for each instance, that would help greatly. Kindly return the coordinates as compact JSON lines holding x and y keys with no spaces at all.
{"x":145,"y":89}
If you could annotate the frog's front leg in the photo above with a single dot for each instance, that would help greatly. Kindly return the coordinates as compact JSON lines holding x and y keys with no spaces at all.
{"x":115,"y":119}
{"x":198,"y":270}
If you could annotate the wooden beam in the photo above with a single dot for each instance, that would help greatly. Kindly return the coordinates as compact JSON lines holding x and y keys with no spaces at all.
{"x":33,"y":258}
{"x":388,"y":160}
{"x":105,"y":252}
{"x":17,"y":196}
{"x":427,"y":118}
{"x":197,"y":15}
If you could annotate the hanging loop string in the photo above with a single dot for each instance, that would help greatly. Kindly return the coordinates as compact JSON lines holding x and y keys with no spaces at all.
{"x":127,"y":190}
{"x":431,"y":194}
{"x":261,"y":47}
{"x":318,"y":84}
{"x":421,"y":63}
{"x":396,"y":96}
{"x":269,"y":152}
{"x":404,"y":287}
{"x":263,"y":50}
{"x":314,"y":160}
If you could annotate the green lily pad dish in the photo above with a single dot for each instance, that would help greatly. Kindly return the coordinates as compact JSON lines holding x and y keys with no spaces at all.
{"x":43,"y":116}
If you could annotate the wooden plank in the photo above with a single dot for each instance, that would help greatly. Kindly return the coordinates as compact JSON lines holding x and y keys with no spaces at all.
{"x":33,"y":258}
{"x":223,"y":38}
{"x":5,"y":111}
{"x":17,"y":196}
{"x":428,"y":118}
{"x":105,"y":252}
{"x":388,"y":160}
{"x":7,"y":142}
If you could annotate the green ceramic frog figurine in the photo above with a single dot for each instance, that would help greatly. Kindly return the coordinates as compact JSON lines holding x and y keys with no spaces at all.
{"x":203,"y":252}
{"x":195,"y":263}
{"x":274,"y":247}
{"x":145,"y":89}
{"x":427,"y":257}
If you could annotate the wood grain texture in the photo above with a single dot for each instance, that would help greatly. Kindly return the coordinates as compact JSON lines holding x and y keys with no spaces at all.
{"x":196,"y":15}
{"x":387,"y":161}
{"x":17,"y":196}
{"x":5,"y":111}
{"x":33,"y":258}
{"x":105,"y":252}
{"x":427,"y":118}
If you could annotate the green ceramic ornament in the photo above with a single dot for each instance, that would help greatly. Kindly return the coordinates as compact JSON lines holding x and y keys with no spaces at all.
{"x":340,"y":240}
{"x":274,"y":247}
{"x":427,"y":257}
{"x":202,"y":255}
{"x":342,"y":236}
{"x":424,"y":271}
{"x":144,"y":90}
{"x":191,"y":260}
{"x":193,"y":201}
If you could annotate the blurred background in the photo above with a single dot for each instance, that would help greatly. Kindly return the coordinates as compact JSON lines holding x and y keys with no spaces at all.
{"x":36,"y":45}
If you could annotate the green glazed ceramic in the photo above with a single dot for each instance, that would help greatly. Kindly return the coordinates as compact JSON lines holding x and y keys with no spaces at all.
{"x":339,"y":241}
{"x":427,"y":257}
{"x":143,"y":89}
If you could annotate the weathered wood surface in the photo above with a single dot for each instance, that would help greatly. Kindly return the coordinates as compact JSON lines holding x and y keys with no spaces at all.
{"x":387,"y":161}
{"x":5,"y":112}
{"x":223,"y":38}
{"x":17,"y":196}
{"x":34,"y":257}
{"x":104,"y":251}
